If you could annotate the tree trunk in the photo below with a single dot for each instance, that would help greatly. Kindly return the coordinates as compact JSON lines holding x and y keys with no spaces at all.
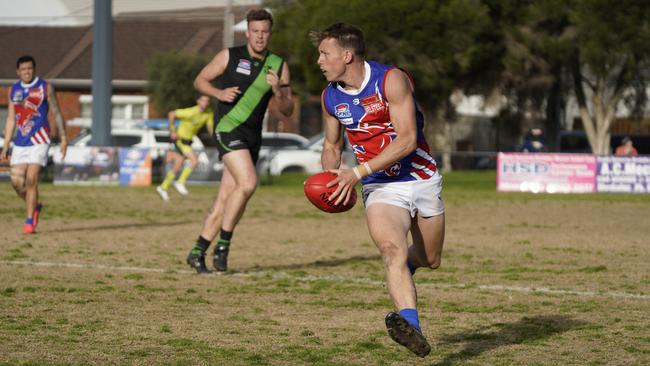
{"x":605,"y":98}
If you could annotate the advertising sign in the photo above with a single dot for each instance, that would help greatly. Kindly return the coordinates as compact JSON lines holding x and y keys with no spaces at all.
{"x":135,"y":166}
{"x":546,"y":173}
{"x":628,"y":174}
{"x":86,"y":165}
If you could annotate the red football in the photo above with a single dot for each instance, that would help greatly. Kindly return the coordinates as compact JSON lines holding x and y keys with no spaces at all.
{"x":318,"y":193}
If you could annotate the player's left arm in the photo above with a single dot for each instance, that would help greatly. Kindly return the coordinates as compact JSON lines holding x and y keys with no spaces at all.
{"x":210,"y":124}
{"x":281,"y":89}
{"x":58,"y":118}
{"x":402,"y":115}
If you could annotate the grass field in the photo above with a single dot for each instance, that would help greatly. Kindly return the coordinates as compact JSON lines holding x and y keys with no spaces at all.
{"x":525,"y":280}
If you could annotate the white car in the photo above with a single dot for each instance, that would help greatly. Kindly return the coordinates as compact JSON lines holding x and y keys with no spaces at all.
{"x":159,"y":141}
{"x":306,"y":160}
{"x":156,"y":140}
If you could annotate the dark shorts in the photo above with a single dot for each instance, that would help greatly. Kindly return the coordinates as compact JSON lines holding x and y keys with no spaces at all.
{"x":239,"y":139}
{"x":183,"y":146}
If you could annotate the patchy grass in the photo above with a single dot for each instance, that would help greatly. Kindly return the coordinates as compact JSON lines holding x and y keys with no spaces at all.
{"x":525,"y":280}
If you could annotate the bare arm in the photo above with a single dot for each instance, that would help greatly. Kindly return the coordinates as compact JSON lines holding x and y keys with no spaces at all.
{"x":9,"y":128}
{"x":281,"y":89}
{"x":333,"y":143}
{"x":171,"y":118}
{"x":211,"y":71}
{"x":402,"y":115}
{"x":58,"y":118}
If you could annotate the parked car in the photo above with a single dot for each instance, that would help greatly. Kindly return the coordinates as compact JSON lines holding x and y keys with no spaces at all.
{"x":307,"y":159}
{"x":159,"y":141}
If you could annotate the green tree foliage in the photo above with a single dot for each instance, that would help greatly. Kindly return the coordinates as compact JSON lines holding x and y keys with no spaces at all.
{"x":536,"y":53}
{"x":171,"y":77}
{"x":440,"y":42}
{"x":601,"y":46}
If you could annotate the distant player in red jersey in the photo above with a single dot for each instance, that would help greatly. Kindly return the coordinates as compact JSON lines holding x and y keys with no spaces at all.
{"x":29,"y":104}
{"x":374,"y":103}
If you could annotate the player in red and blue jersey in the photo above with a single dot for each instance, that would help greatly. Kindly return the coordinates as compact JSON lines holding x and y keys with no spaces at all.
{"x":29,"y":104}
{"x":401,"y":185}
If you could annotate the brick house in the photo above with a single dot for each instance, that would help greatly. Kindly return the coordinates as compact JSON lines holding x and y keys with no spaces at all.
{"x":64,"y":58}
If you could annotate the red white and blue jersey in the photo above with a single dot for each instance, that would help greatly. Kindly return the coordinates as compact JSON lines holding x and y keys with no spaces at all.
{"x":365,"y":115}
{"x":31,"y":107}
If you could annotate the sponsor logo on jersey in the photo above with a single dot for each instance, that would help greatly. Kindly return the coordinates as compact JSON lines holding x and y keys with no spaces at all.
{"x":35,"y":94}
{"x":18,"y":96}
{"x":373,"y":104}
{"x":235,"y":143}
{"x":355,"y":101}
{"x":394,"y":169}
{"x":244,"y":67}
{"x":342,"y":111}
{"x":26,"y":127}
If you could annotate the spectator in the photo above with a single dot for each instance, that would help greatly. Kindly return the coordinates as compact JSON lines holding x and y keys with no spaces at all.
{"x":626,"y":148}
{"x":534,"y":141}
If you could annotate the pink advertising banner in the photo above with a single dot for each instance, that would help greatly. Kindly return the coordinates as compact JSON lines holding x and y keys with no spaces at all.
{"x":546,"y":173}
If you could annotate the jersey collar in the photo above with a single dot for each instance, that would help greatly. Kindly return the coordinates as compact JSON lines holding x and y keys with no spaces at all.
{"x":366,"y":79}
{"x":30,"y":84}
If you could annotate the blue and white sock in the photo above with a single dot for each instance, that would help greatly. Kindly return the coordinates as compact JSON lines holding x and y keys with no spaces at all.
{"x":411,"y":316}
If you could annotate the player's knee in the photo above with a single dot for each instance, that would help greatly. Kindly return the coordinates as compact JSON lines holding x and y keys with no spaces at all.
{"x":18,"y":184}
{"x":17,"y":180}
{"x":30,"y":182}
{"x":249,"y":187}
{"x":390,"y":251}
{"x":434,"y":262}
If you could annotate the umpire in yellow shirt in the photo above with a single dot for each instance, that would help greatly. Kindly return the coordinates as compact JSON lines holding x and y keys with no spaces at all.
{"x":192,"y":120}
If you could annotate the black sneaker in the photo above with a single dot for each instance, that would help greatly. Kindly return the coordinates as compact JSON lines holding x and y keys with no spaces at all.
{"x":407,"y":335}
{"x":197,"y":262}
{"x":220,"y":260}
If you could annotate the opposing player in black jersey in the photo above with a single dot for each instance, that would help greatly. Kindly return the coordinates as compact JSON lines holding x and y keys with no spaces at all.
{"x":247,"y":77}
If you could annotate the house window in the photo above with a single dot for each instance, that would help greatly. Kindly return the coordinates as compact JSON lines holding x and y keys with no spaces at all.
{"x":126,"y":108}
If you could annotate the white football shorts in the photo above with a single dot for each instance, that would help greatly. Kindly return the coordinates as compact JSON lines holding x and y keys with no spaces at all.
{"x":35,"y":154}
{"x":422,"y":197}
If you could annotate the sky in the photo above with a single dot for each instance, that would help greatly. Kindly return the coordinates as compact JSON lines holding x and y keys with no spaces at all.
{"x":80,"y":12}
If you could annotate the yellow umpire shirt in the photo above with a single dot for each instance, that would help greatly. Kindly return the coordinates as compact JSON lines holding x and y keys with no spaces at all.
{"x":192,"y":120}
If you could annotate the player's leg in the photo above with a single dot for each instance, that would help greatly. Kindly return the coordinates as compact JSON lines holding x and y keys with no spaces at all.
{"x":31,"y":195}
{"x":18,"y":175}
{"x":428,"y":238}
{"x":177,"y":160}
{"x":212,"y":223}
{"x":191,"y":162}
{"x":428,"y":226}
{"x":388,"y":226}
{"x":241,"y":167}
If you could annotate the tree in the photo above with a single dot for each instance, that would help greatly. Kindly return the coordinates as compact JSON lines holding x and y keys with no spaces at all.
{"x":610,"y":62}
{"x":443,"y":44}
{"x":170,"y":78}
{"x":601,"y":46}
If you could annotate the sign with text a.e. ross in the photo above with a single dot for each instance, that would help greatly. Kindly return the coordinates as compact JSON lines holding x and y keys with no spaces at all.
{"x":624,"y":174}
